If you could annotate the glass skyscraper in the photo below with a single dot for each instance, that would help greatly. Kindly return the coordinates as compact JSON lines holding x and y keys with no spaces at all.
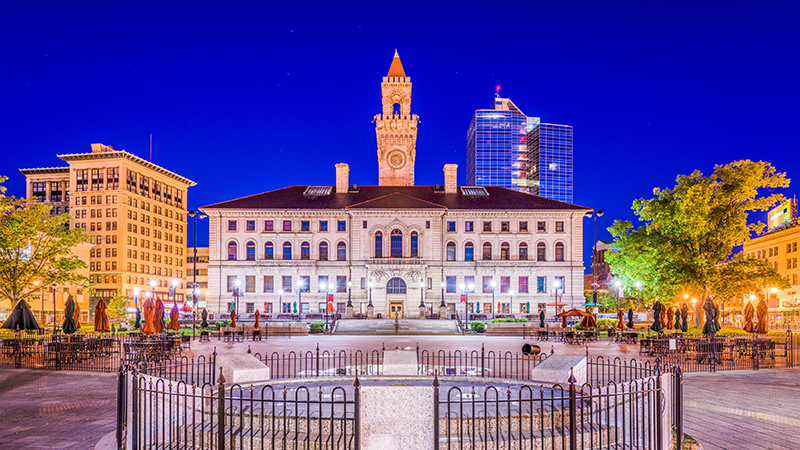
{"x":508,"y":149}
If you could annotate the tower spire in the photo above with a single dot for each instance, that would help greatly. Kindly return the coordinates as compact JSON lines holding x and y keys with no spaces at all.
{"x":396,"y":69}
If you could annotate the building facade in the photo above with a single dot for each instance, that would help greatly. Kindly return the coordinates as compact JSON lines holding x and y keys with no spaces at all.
{"x":506,"y":148}
{"x":395,"y":246}
{"x":779,"y":246}
{"x":134,"y":212}
{"x":197,"y":272}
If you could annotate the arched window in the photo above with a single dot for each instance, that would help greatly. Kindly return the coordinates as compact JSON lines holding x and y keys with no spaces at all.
{"x":396,"y":109}
{"x":523,"y":252}
{"x":469,"y":252}
{"x":269,"y":251}
{"x":559,"y":251}
{"x":396,"y":243}
{"x":378,"y":244}
{"x":251,"y":251}
{"x":396,"y":286}
{"x":451,"y":251}
{"x":487,"y":251}
{"x":505,"y":250}
{"x":414,"y":245}
{"x":287,"y":250}
{"x":341,"y":251}
{"x":541,"y":251}
{"x":305,"y":250}
{"x":231,"y":251}
{"x":323,"y":251}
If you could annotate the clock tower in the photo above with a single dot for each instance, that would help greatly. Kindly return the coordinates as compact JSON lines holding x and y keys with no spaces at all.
{"x":396,"y":129}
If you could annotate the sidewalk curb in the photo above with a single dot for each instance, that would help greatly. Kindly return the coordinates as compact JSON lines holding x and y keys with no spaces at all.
{"x":108,"y":442}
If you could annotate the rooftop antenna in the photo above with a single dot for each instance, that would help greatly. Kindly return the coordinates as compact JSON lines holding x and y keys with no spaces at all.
{"x":151,"y":147}
{"x":497,"y":90}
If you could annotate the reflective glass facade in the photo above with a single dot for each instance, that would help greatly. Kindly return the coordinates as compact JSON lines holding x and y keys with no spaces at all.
{"x":505,"y":148}
{"x":550,"y":151}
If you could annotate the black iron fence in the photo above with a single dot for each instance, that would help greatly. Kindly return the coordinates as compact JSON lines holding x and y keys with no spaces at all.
{"x":478,"y":363}
{"x":86,"y":352}
{"x":198,"y":371}
{"x":323,"y":363}
{"x":712,"y":353}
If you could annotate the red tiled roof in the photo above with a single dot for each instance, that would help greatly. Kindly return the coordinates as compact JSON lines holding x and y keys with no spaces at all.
{"x":395,"y":197}
{"x":396,"y":69}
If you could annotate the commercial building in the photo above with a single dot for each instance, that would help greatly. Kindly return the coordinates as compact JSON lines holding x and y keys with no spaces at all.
{"x":506,"y":148}
{"x":396,"y":246}
{"x":134,"y":212}
{"x":200,"y":274}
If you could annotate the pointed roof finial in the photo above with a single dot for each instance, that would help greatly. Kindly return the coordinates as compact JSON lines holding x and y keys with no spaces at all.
{"x":396,"y":69}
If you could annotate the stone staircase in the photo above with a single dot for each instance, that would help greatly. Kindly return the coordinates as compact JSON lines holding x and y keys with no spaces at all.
{"x":405,"y":327}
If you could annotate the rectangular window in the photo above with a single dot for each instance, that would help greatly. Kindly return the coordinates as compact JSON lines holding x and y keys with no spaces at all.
{"x":469,"y":280}
{"x":468,"y":226}
{"x":286,"y":284}
{"x":559,"y":226}
{"x":364,"y":224}
{"x":268,"y":225}
{"x":55,"y":191}
{"x":40,"y":191}
{"x":323,"y":225}
{"x":523,"y":227}
{"x":451,"y":226}
{"x":305,"y":284}
{"x":541,"y":227}
{"x":505,"y":285}
{"x":363,"y":283}
{"x":523,"y":285}
{"x":541,"y":284}
{"x":487,"y":226}
{"x":305,"y":225}
{"x":342,"y":225}
{"x":450,"y":284}
{"x":231,"y":283}
{"x":322,"y":284}
{"x":250,"y":283}
{"x":231,"y":225}
{"x":505,"y":227}
{"x":487,"y":285}
{"x":287,"y":225}
{"x":249,"y":308}
{"x":251,"y":225}
{"x":427,"y":224}
{"x":559,"y":284}
{"x":97,"y":180}
{"x":341,"y":283}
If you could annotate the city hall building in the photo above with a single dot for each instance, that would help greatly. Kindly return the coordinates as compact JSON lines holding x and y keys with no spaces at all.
{"x":395,"y":246}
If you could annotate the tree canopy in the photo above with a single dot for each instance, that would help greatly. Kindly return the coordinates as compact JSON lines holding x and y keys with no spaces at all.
{"x":35,"y":245}
{"x":689,"y":232}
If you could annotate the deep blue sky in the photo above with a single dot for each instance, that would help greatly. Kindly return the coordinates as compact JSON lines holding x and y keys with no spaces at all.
{"x":245,"y":99}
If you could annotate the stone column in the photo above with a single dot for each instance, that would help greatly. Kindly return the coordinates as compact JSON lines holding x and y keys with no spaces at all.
{"x":349,"y":313}
{"x":442,"y":312}
{"x":422,"y":312}
{"x":370,"y":312}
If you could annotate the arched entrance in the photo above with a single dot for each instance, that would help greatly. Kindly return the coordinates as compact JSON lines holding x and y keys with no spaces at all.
{"x":396,"y":297}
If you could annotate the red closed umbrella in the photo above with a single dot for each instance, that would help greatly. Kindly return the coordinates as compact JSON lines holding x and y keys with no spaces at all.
{"x":149,"y":316}
{"x":173,"y":318}
{"x":258,"y":315}
{"x":100,"y":317}
{"x":158,"y":318}
{"x":620,"y":316}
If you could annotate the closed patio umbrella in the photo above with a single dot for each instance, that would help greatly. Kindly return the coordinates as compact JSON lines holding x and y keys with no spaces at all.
{"x":21,"y":316}
{"x":711,"y":326}
{"x":69,"y":317}
{"x":477,"y":307}
{"x":204,"y":315}
{"x":630,"y":319}
{"x":149,"y":316}
{"x":258,"y":316}
{"x":588,"y":322}
{"x":620,"y":319}
{"x":77,"y":315}
{"x":158,"y":317}
{"x":233,"y":317}
{"x":677,"y":319}
{"x":100,"y":317}
{"x":138,"y":323}
{"x":670,"y":322}
{"x":749,"y":311}
{"x":761,"y":313}
{"x":656,"y":326}
{"x":684,"y":317}
{"x":541,"y":319}
{"x":173,"y":318}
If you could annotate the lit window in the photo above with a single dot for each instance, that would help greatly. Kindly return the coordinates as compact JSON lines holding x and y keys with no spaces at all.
{"x":231,"y":251}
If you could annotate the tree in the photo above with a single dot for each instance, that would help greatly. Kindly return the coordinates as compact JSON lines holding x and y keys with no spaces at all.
{"x":607,"y":301}
{"x":689,"y":231}
{"x":118,"y":305}
{"x":743,"y":275}
{"x":35,"y":245}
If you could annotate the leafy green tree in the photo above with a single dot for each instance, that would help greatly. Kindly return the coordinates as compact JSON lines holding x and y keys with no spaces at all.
{"x":607,"y":301}
{"x":118,"y":305}
{"x":690,"y":230}
{"x":35,"y":245}
{"x":743,"y":275}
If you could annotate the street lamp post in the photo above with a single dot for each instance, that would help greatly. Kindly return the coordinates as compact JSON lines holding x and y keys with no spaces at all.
{"x":370,"y":293}
{"x":638,"y":295}
{"x":36,"y":286}
{"x":511,"y":300}
{"x":422,"y":295}
{"x":558,"y":289}
{"x":238,"y":283}
{"x":136,"y":305}
{"x":594,"y":213}
{"x":300,"y":285}
{"x":153,"y":289}
{"x":617,"y":285}
{"x":349,"y":294}
{"x":54,"y":308}
{"x":494,"y":294}
{"x":280,"y":300}
{"x":195,"y":214}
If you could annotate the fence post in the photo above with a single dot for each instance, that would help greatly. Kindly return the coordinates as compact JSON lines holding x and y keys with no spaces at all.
{"x":135,"y":408}
{"x":356,"y":413}
{"x":755,"y":350}
{"x":213,"y":366}
{"x":436,"y":410}
{"x":659,"y":410}
{"x":316,"y":372}
{"x":483,"y":361}
{"x":122,"y":406}
{"x":712,"y":360}
{"x":677,"y":402}
{"x":573,"y":435}
{"x":221,"y":411}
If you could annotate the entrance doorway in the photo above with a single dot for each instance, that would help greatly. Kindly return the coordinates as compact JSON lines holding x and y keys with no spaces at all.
{"x":395,"y":306}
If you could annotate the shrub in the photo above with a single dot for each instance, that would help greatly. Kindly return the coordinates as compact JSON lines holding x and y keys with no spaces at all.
{"x":316,"y":327}
{"x":477,"y":327}
{"x":605,"y":323}
{"x":579,"y":328}
{"x":508,"y":320}
{"x":219,"y":324}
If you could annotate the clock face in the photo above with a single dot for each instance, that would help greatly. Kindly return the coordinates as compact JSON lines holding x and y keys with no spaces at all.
{"x":396,"y":159}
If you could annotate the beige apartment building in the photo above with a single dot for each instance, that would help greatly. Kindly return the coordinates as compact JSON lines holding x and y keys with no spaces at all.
{"x":134,"y":211}
{"x":201,"y":275}
{"x":780,"y":247}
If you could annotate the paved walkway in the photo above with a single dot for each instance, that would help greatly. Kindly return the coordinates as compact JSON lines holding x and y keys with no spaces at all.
{"x":40,"y":409}
{"x":743,"y":409}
